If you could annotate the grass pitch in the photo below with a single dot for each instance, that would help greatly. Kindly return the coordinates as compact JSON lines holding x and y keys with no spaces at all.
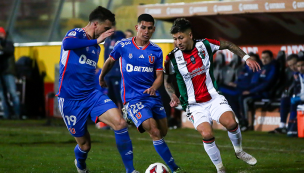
{"x":29,"y":146}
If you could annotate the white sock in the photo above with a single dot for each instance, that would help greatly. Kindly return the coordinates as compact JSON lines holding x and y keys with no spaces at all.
{"x":282,"y":125}
{"x":214,"y":153}
{"x":236,"y":139}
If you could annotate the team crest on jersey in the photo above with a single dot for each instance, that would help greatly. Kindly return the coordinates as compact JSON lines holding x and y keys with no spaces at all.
{"x":130,"y":55}
{"x":192,"y":58}
{"x":151,"y":59}
{"x":73,"y":33}
{"x":202,"y":54}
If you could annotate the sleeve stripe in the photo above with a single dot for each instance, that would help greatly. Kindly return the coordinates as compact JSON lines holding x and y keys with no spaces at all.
{"x":113,"y":58}
{"x":69,"y":37}
{"x":216,"y":42}
{"x":159,"y":69}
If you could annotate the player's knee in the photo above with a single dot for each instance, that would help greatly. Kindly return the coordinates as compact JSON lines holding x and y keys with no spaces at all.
{"x":155,"y":134}
{"x":120,"y":124}
{"x":164,"y":133}
{"x":230,"y":124}
{"x":85,"y":147}
{"x":207,"y":134}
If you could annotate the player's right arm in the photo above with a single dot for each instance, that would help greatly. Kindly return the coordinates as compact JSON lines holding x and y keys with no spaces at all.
{"x":238,"y":51}
{"x":74,"y":39}
{"x":168,"y":71}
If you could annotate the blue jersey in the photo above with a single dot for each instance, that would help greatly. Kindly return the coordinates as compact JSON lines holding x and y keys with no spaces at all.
{"x":138,"y":66}
{"x":77,"y":65}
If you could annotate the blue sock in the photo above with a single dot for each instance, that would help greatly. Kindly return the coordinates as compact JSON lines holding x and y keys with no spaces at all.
{"x":164,"y":152}
{"x":81,"y":157}
{"x":124,"y":146}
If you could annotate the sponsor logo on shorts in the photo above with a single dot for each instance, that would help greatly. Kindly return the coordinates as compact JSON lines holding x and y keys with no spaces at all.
{"x":224,"y":102}
{"x":107,"y":100}
{"x":162,"y":108}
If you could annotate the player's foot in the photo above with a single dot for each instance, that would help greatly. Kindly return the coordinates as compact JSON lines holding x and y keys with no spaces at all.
{"x":135,"y":171}
{"x":279,"y":130}
{"x":80,"y":170}
{"x":179,"y":170}
{"x":221,"y":170}
{"x":249,"y":159}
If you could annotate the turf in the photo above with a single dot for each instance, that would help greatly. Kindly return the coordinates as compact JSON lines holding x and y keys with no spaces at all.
{"x":31,"y":146}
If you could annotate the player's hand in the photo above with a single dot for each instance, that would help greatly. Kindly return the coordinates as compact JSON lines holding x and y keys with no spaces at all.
{"x":105,"y":35}
{"x":174,"y":101}
{"x":253,"y":65}
{"x":150,"y":91}
{"x":102,"y":82}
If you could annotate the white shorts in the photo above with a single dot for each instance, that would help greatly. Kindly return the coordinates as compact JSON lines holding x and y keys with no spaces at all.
{"x":206,"y":112}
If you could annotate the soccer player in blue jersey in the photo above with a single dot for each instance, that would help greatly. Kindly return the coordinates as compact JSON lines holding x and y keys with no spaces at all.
{"x":141,"y":66}
{"x":78,"y":97}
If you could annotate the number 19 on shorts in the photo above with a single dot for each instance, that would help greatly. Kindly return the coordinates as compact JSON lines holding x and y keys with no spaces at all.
{"x":70,"y":121}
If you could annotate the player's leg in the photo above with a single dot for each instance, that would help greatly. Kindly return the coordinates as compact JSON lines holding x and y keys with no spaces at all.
{"x":106,"y":111}
{"x":211,"y":148}
{"x":3,"y":100}
{"x":81,"y":151}
{"x":160,"y":145}
{"x":163,"y":126}
{"x":74,"y":114}
{"x":11,"y":88}
{"x":151,"y":126}
{"x":223,"y":114}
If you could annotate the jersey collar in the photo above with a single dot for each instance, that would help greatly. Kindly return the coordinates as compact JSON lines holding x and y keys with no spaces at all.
{"x":133,"y":41}
{"x":88,"y":36}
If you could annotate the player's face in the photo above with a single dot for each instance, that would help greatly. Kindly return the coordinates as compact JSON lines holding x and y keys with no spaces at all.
{"x":101,"y":27}
{"x":292,"y":64}
{"x":183,"y":40}
{"x":145,"y":30}
{"x":265,"y":58}
{"x":300,"y":66}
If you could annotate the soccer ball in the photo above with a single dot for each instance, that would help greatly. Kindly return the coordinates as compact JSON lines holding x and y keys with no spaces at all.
{"x":157,"y":168}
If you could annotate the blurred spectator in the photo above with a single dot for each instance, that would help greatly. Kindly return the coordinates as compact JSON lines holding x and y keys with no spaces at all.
{"x":297,"y":98}
{"x":129,"y":33}
{"x":292,"y":78}
{"x":7,"y":74}
{"x":242,"y":82}
{"x":257,"y":88}
{"x":113,"y":78}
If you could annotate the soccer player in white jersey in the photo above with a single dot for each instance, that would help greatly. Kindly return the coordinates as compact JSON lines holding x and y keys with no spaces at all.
{"x":77,"y":95}
{"x":192,"y":63}
{"x":141,"y":66}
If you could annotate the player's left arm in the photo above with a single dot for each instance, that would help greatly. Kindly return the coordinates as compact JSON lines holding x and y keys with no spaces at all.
{"x":238,"y":51}
{"x":157,"y":83}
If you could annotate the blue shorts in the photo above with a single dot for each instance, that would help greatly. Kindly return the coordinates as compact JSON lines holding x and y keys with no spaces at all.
{"x":76,"y":112}
{"x":141,"y":109}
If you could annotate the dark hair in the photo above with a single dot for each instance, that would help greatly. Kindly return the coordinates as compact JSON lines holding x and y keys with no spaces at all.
{"x":257,"y":57}
{"x":300,"y":59}
{"x":129,"y":30}
{"x":292,"y":56}
{"x":102,"y":14}
{"x":268,"y":52}
{"x":180,"y":25}
{"x":146,"y":18}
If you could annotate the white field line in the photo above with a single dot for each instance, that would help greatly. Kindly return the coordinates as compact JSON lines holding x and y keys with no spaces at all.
{"x":148,"y":139}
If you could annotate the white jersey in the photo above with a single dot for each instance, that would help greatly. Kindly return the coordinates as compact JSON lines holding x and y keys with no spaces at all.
{"x":194,"y":71}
